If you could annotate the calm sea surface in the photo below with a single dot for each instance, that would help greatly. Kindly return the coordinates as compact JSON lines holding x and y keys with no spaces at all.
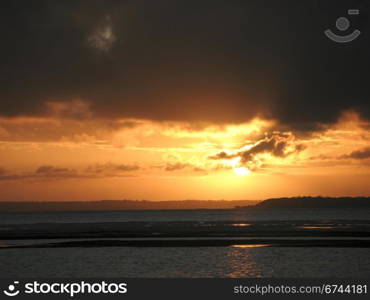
{"x":183,"y":215}
{"x":232,"y":261}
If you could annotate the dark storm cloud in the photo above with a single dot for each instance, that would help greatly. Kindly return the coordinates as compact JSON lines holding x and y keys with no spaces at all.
{"x":182,"y":60}
{"x":358,"y":154}
{"x":278,"y":144}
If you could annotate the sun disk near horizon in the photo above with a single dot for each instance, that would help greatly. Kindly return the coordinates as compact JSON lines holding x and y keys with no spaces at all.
{"x":241,"y":171}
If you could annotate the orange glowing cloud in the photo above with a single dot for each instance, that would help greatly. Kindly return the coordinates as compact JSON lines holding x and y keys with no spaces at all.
{"x":61,"y":149}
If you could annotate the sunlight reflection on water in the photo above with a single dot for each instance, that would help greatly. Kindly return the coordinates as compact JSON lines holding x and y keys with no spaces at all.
{"x":250,"y":246}
{"x":240,"y":224}
{"x":185,"y":262}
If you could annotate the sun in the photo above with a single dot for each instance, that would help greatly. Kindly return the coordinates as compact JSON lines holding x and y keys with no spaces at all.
{"x":241,"y":171}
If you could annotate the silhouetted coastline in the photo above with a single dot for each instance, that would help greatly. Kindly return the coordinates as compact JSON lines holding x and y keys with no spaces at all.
{"x":314,"y":203}
{"x":304,"y":202}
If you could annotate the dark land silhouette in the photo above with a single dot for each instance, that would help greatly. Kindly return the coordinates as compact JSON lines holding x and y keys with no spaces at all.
{"x":112,"y":205}
{"x":315,"y":203}
{"x":117,"y":205}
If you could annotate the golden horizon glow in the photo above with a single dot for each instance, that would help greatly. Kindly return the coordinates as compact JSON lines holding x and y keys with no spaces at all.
{"x":88,"y":159}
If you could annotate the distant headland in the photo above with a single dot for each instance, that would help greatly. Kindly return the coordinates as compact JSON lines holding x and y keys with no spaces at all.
{"x":314,"y":203}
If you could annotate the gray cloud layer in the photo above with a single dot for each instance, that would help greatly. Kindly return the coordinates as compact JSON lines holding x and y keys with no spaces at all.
{"x":358,"y":154}
{"x":181,"y":60}
{"x":51,"y":172}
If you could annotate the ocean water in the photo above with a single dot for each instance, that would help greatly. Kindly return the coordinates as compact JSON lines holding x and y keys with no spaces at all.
{"x":185,"y":216}
{"x":255,"y":260}
{"x":189,"y":262}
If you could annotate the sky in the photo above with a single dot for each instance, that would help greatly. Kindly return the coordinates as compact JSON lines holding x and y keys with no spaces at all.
{"x":172,"y":100}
